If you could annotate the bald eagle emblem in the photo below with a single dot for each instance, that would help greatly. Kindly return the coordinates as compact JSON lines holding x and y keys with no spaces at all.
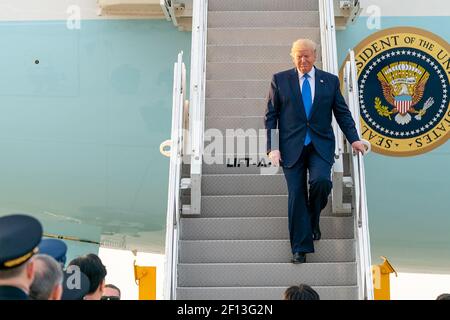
{"x":403,"y":84}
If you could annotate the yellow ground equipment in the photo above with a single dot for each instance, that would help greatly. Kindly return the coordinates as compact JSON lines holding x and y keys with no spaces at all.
{"x":381,"y":280}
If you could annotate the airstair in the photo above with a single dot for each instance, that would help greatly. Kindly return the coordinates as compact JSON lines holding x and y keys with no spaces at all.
{"x":227,"y":229}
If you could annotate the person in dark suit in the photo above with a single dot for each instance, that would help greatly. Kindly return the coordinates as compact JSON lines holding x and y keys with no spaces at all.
{"x":20,"y":236}
{"x":76,"y":284}
{"x":300,"y":105}
{"x":91,"y":265}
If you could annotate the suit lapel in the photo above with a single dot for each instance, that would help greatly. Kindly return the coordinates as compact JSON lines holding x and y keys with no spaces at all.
{"x":296,"y":93}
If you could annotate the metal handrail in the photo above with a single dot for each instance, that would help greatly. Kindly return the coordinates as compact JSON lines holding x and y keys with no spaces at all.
{"x":173,"y":202}
{"x":197,"y":102}
{"x":360,"y":199}
{"x":165,"y":9}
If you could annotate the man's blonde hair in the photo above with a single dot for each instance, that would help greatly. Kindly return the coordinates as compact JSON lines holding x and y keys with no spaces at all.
{"x":301,"y":44}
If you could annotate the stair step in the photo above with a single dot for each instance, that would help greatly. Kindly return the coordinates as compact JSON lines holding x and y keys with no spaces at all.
{"x":252,"y":19}
{"x":262,"y":251}
{"x":261,"y":293}
{"x":251,"y":206}
{"x":241,"y":164}
{"x":251,"y":54}
{"x":263,"y":5}
{"x":267,"y":228}
{"x":236,"y":122}
{"x":235,"y":133}
{"x":237,"y":88}
{"x":222,"y":147}
{"x":244,"y":184}
{"x":246,"y":71}
{"x":266,"y":274}
{"x":217,"y":107}
{"x":260,"y":36}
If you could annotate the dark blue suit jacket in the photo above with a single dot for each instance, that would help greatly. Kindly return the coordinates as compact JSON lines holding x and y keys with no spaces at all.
{"x":286,"y":112}
{"x":12,"y":293}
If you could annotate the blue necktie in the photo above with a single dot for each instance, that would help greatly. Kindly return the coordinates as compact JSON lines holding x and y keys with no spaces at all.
{"x":307,"y":102}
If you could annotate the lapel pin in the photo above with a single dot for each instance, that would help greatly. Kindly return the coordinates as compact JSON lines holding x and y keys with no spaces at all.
{"x":321,"y":81}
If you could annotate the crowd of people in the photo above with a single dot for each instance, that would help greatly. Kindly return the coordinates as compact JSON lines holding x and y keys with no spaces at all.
{"x":33,"y":267}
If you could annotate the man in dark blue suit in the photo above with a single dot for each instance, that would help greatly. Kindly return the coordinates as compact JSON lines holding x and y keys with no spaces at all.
{"x":300,"y":105}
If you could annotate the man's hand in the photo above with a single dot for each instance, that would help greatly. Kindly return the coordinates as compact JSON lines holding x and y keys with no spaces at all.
{"x":358,"y":146}
{"x":275,"y":157}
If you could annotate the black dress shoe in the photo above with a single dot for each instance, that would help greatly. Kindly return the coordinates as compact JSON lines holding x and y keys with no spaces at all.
{"x":299,"y":258}
{"x":316,"y":234}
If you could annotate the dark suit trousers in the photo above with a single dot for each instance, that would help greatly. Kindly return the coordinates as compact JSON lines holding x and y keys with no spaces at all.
{"x":304,"y":210}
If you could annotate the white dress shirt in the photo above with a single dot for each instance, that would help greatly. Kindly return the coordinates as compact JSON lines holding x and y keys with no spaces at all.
{"x":311,"y":79}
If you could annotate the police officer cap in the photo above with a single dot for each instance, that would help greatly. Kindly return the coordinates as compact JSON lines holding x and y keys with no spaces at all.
{"x":76,"y":285}
{"x":55,"y":248}
{"x":20,"y":236}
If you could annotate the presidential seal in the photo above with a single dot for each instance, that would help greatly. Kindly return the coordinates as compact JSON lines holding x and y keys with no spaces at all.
{"x":403,"y":79}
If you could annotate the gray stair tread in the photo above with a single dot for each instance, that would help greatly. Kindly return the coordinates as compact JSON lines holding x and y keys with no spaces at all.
{"x":259,"y":228}
{"x":237,"y":88}
{"x":225,"y":145}
{"x":260,"y":36}
{"x":233,"y":164}
{"x":252,"y":54}
{"x":235,"y":107}
{"x":262,"y":293}
{"x":247,"y":70}
{"x":239,"y":133}
{"x":231,"y":122}
{"x":261,"y":251}
{"x":244,"y":71}
{"x":266,"y":274}
{"x":242,"y":184}
{"x":251,"y":206}
{"x":263,"y":5}
{"x":217,"y":19}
